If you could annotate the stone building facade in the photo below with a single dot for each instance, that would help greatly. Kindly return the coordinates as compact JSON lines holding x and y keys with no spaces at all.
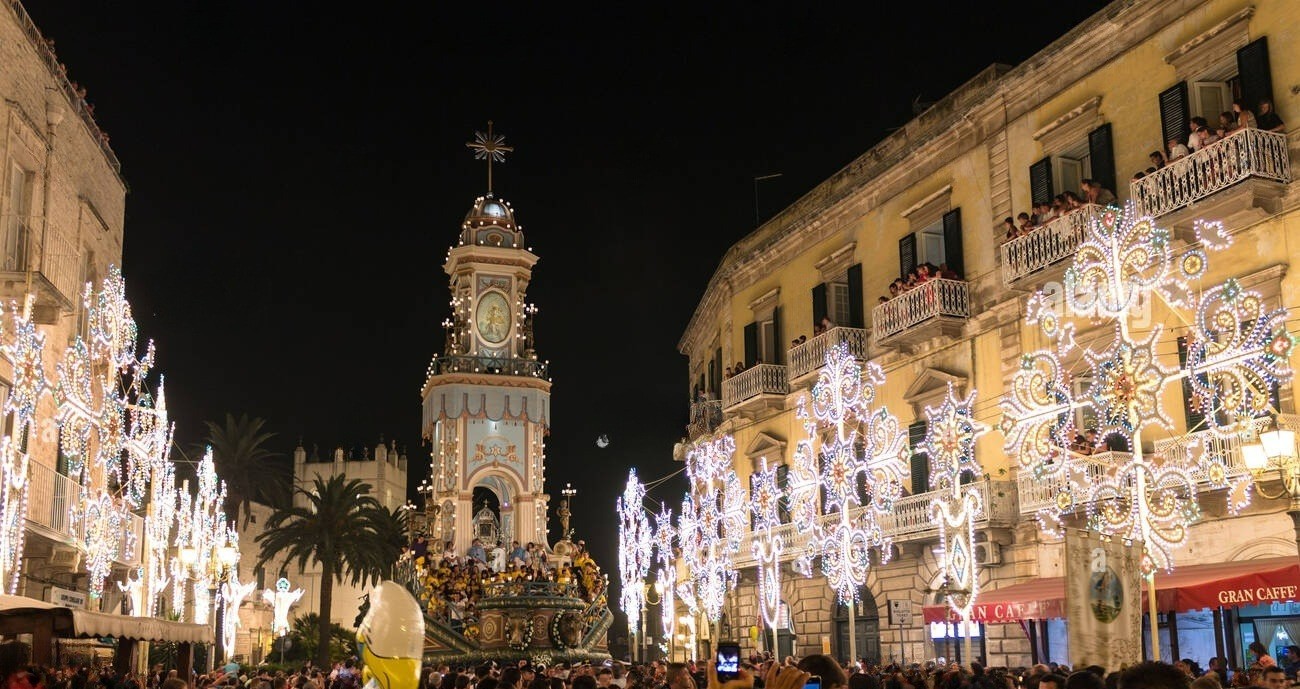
{"x":1093,"y":104}
{"x":62,"y":205}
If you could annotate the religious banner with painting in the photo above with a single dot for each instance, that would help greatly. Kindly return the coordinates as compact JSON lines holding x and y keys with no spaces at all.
{"x":1103,"y":600}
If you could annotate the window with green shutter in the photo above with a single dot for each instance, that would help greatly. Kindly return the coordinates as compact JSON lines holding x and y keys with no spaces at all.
{"x":920,"y":464}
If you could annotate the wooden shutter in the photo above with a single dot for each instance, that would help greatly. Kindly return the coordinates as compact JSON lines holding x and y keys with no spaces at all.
{"x":751,"y":344}
{"x":857,"y":315}
{"x":1195,"y":416}
{"x":717,"y":371}
{"x":906,"y":254}
{"x":952,"y":251}
{"x":920,"y":460}
{"x":1102,"y":153}
{"x":819,"y":303}
{"x":1175,"y":119}
{"x":778,"y":347}
{"x":783,"y":485}
{"x":1040,"y":181}
{"x":1254,"y":73}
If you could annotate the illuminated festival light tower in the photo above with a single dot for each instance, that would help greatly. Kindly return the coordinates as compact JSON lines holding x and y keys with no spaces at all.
{"x":1237,"y":350}
{"x":23,"y":345}
{"x":635,"y":551}
{"x":950,"y":444}
{"x":666,"y":576}
{"x":849,"y":443}
{"x":765,"y":502}
{"x":716,"y":523}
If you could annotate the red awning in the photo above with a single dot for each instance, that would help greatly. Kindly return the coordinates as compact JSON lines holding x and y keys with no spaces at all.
{"x":1193,"y":587}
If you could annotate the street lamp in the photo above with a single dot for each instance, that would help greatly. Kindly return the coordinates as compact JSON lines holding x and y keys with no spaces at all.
{"x":221,"y":560}
{"x":1276,"y":450}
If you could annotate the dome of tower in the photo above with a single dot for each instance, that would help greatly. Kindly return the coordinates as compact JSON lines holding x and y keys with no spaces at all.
{"x":491,"y":222}
{"x":490,"y":210}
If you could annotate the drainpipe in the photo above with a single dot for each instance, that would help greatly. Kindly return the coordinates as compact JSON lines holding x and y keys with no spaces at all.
{"x":54,"y":114}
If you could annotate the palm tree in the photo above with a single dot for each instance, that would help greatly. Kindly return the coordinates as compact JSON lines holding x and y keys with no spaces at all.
{"x":343,"y":528}
{"x":248,"y":468}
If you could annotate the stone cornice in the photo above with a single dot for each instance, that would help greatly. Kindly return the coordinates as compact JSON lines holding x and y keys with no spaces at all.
{"x":488,"y":379}
{"x":957,"y":123}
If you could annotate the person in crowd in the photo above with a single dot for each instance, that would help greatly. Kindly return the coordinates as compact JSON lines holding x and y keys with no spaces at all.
{"x":1153,"y":675}
{"x":1244,"y":116}
{"x":477,"y":553}
{"x":1042,"y":213}
{"x":1095,"y":193}
{"x":1051,"y":681}
{"x":1201,"y":135}
{"x":678,"y":676}
{"x":1009,"y":229}
{"x":1177,"y":150}
{"x":738,"y":368}
{"x":1086,"y":679}
{"x":1025,"y":224}
{"x":1218,"y":669}
{"x":726,"y":373}
{"x":1073,"y":202}
{"x":1227,"y":123}
{"x":1261,"y":657}
{"x":1157,"y":159}
{"x":832,"y":675}
{"x":1274,"y":677}
{"x":1206,"y":682}
{"x":1268,"y":119}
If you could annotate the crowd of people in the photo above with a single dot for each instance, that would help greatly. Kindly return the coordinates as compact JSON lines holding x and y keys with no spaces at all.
{"x":921,"y":274}
{"x":450,"y":586}
{"x":1090,"y":192}
{"x":1203,"y":135}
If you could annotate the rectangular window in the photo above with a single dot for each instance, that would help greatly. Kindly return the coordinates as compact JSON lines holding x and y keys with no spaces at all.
{"x":920,"y":464}
{"x":15,"y":223}
{"x":838,"y":297}
{"x":783,"y":485}
{"x":767,"y":342}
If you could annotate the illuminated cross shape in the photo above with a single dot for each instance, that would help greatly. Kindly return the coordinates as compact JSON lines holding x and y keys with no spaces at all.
{"x":490,"y":147}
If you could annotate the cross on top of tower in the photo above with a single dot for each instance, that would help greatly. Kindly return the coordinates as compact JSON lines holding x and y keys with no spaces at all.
{"x":490,"y":147}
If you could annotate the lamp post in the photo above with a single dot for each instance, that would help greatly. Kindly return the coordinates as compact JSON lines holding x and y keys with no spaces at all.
{"x":658,"y":588}
{"x":1276,"y":451}
{"x":221,"y":560}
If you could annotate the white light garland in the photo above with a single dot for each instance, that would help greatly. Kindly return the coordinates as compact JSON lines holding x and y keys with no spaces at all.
{"x":23,"y":345}
{"x":712,"y":522}
{"x":951,"y":431}
{"x":1237,"y":350}
{"x":765,"y":502}
{"x":664,"y":537}
{"x":635,"y":549}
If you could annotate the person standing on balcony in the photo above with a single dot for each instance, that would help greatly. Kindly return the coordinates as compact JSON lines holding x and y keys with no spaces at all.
{"x":1245,"y":116}
{"x":1026,"y":224}
{"x":1096,"y":193}
{"x":1201,"y":135}
{"x":1177,"y":150}
{"x":1227,"y":123}
{"x":1157,"y":159}
{"x":1268,"y":119}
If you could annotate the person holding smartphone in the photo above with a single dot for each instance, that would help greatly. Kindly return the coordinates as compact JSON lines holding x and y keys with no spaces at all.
{"x":777,"y":677}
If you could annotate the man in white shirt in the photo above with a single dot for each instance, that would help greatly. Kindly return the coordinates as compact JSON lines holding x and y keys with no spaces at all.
{"x":1177,"y":150}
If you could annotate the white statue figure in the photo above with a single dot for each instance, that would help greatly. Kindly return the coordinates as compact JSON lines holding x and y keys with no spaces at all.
{"x":233,"y":594}
{"x":498,"y":557}
{"x":133,"y":592}
{"x":280,"y":599}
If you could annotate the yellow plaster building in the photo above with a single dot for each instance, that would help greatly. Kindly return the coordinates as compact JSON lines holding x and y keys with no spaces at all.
{"x":1092,"y":105}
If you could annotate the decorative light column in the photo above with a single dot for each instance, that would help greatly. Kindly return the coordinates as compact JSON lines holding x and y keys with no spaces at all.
{"x":765,"y":503}
{"x":857,"y":452}
{"x":635,"y":551}
{"x":950,"y":444}
{"x":710,"y":535}
{"x":23,"y":345}
{"x":1237,"y":349}
{"x":666,"y":577}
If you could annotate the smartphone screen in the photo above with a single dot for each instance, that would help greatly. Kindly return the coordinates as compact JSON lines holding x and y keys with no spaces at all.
{"x":728,"y":662}
{"x":814,"y":682}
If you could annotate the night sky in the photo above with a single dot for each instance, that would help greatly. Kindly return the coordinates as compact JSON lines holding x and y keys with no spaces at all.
{"x":297,"y":172}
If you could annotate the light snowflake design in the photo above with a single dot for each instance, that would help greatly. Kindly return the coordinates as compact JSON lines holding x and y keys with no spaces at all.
{"x":765,"y":504}
{"x":951,"y":432}
{"x":635,"y":548}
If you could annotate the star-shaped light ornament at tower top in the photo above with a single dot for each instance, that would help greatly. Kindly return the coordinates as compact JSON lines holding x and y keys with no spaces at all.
{"x":951,"y":432}
{"x":490,"y":147}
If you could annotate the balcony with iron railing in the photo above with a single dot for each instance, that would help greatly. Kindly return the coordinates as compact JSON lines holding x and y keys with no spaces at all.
{"x":1245,"y":171}
{"x":806,"y":359}
{"x":50,"y":497}
{"x":933,"y":308}
{"x":505,"y":366}
{"x":1043,"y":254}
{"x":706,"y":415}
{"x":756,"y":387}
{"x":40,"y":261}
{"x":912,"y":519}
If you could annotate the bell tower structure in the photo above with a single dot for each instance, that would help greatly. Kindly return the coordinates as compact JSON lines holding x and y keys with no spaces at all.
{"x":487,"y":397}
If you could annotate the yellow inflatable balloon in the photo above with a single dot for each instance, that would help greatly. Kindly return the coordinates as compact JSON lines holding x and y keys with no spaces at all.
{"x":391,"y":638}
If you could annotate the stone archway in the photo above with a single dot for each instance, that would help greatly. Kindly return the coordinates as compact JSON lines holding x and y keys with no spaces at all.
{"x":867,"y":628}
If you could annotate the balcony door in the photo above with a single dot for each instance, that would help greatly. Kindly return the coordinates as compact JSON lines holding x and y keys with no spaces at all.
{"x":14,"y":222}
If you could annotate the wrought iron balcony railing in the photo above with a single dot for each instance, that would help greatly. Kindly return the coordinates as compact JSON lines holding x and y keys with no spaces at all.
{"x":810,"y":356}
{"x":1241,"y":155}
{"x":759,"y":379}
{"x":49,"y":503}
{"x":464,"y":363}
{"x":1044,"y":246}
{"x":933,"y":300}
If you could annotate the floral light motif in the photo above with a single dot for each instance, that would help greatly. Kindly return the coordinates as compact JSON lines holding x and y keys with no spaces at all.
{"x":858,"y":463}
{"x":635,"y":549}
{"x":712,"y":522}
{"x":1237,"y":351}
{"x":664,"y":537}
{"x":950,"y":443}
{"x":24,"y":345}
{"x":765,"y":496}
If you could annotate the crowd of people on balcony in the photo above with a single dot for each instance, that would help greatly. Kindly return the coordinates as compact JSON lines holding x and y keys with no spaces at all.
{"x":921,"y":274}
{"x":450,"y":586}
{"x":1203,"y":136}
{"x":1090,"y":192}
